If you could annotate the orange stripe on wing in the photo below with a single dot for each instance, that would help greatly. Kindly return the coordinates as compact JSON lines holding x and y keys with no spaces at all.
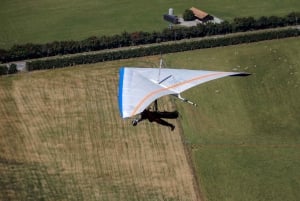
{"x":170,"y":87}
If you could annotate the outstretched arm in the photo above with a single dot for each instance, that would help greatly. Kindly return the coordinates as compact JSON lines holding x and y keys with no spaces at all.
{"x":141,"y":118}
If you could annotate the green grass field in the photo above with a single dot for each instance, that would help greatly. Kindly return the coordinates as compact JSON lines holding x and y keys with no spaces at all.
{"x":62,"y":137}
{"x":245,"y":134}
{"x":47,"y":21}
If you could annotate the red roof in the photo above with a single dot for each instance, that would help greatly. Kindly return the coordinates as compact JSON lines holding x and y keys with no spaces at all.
{"x":199,"y":13}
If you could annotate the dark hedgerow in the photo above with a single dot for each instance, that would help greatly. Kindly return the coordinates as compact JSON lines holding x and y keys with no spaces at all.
{"x":71,"y":60}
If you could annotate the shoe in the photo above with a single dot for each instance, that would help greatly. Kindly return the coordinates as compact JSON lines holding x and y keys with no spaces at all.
{"x":172,"y":127}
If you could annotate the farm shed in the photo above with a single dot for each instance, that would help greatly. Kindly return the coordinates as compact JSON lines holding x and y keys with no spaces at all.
{"x":201,"y":15}
{"x":171,"y":18}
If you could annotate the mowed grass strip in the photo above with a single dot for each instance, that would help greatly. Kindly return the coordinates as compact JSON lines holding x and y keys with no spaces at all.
{"x":244,"y":134}
{"x":62,"y":139}
{"x":47,"y":21}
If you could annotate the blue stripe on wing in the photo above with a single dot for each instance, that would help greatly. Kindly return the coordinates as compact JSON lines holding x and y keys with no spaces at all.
{"x":120,"y":98}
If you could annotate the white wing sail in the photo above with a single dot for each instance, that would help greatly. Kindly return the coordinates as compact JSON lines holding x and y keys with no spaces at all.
{"x":139,"y":87}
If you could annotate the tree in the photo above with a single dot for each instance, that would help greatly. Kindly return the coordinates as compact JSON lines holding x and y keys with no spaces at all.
{"x":3,"y":55}
{"x":3,"y":70}
{"x":188,"y":15}
{"x":262,"y":23}
{"x":243,"y":24}
{"x":293,"y":18}
{"x":12,"y":69}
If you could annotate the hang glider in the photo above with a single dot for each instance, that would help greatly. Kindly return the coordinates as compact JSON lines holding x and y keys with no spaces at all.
{"x":139,"y":87}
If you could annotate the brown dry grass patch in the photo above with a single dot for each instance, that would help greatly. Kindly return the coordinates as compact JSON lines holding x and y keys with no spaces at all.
{"x":63,"y":128}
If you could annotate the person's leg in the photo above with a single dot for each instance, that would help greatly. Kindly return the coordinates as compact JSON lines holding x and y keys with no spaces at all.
{"x":163,"y":122}
{"x":168,"y":115}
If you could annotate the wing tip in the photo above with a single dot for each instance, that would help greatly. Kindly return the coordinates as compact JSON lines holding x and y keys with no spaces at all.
{"x":241,"y":74}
